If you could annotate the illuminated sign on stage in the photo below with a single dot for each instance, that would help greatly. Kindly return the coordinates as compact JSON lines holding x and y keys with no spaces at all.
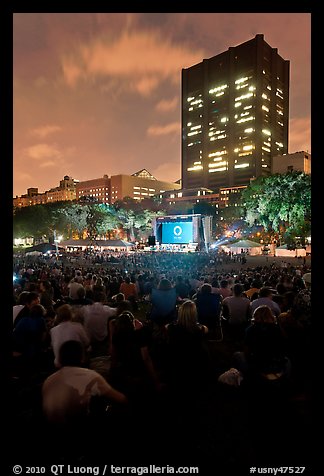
{"x":177,"y":232}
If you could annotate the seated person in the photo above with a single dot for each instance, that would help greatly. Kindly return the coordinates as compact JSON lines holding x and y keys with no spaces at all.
{"x":187,"y":352}
{"x":264,"y":352}
{"x":236,"y":310}
{"x":65,"y":329}
{"x":30,"y":300}
{"x":67,"y":393}
{"x":208,"y":306}
{"x":131,"y":370}
{"x":29,"y":341}
{"x":163,"y":300}
{"x":265,"y":298}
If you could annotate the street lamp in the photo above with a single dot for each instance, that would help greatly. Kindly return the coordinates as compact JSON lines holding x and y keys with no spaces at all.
{"x":57,"y":240}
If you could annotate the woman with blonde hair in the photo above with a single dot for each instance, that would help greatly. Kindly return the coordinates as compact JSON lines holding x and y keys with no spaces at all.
{"x":263,"y":314}
{"x":188,"y":317}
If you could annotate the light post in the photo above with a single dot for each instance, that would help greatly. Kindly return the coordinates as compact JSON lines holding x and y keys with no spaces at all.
{"x":56,"y":241}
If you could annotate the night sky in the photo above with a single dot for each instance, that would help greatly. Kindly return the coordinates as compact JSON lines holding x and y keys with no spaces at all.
{"x":99,"y":94}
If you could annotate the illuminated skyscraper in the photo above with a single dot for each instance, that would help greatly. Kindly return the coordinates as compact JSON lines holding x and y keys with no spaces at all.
{"x":235,"y":112}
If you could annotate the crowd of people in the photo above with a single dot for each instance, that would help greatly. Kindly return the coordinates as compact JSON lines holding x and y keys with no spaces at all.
{"x":121,"y":341}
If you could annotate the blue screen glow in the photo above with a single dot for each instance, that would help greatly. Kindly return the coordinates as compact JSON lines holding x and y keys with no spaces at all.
{"x":177,"y":232}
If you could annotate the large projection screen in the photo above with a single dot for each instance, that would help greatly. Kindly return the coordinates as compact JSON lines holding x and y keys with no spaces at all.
{"x":177,"y":232}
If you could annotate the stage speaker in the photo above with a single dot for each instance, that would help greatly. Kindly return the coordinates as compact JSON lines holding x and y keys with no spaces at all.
{"x":151,"y":240}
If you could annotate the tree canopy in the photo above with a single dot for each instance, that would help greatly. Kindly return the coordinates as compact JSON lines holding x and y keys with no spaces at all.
{"x":280,"y":202}
{"x":84,"y":217}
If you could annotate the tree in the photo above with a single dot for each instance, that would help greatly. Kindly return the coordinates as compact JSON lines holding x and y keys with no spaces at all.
{"x":31,"y":221}
{"x":75,"y":219}
{"x":154,"y":204}
{"x":108,"y":221}
{"x":94,"y":218}
{"x":180,"y":208}
{"x":204,"y":208}
{"x":281,"y":203}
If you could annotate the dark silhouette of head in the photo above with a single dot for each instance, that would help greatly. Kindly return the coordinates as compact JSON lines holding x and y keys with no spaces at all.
{"x":71,"y":354}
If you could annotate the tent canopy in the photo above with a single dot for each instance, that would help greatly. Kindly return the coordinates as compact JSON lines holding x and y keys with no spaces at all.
{"x":285,"y":247}
{"x":283,"y":251}
{"x":98,"y":243}
{"x":244,"y":244}
{"x":42,"y":247}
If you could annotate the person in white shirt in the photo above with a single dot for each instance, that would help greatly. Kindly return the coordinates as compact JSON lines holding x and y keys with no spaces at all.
{"x":22,"y":300}
{"x":64,"y":329}
{"x":67,"y":393}
{"x":96,"y":318}
{"x":73,"y":287}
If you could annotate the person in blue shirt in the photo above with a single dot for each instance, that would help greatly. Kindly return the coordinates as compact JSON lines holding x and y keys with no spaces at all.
{"x":163,"y":300}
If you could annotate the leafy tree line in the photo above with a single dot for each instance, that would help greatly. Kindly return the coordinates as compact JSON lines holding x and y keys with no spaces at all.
{"x":281,"y":203}
{"x":73,"y":219}
{"x":87,"y":218}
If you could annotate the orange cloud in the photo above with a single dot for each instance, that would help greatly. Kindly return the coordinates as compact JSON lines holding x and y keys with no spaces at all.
{"x":170,"y":171}
{"x":173,"y":128}
{"x":132,"y":55}
{"x":48,"y":163}
{"x":42,"y":151}
{"x":45,"y":131}
{"x":166,"y":105}
{"x":146,"y":85}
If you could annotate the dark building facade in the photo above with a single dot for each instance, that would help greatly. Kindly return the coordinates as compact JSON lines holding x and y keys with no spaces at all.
{"x":235,"y":112}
